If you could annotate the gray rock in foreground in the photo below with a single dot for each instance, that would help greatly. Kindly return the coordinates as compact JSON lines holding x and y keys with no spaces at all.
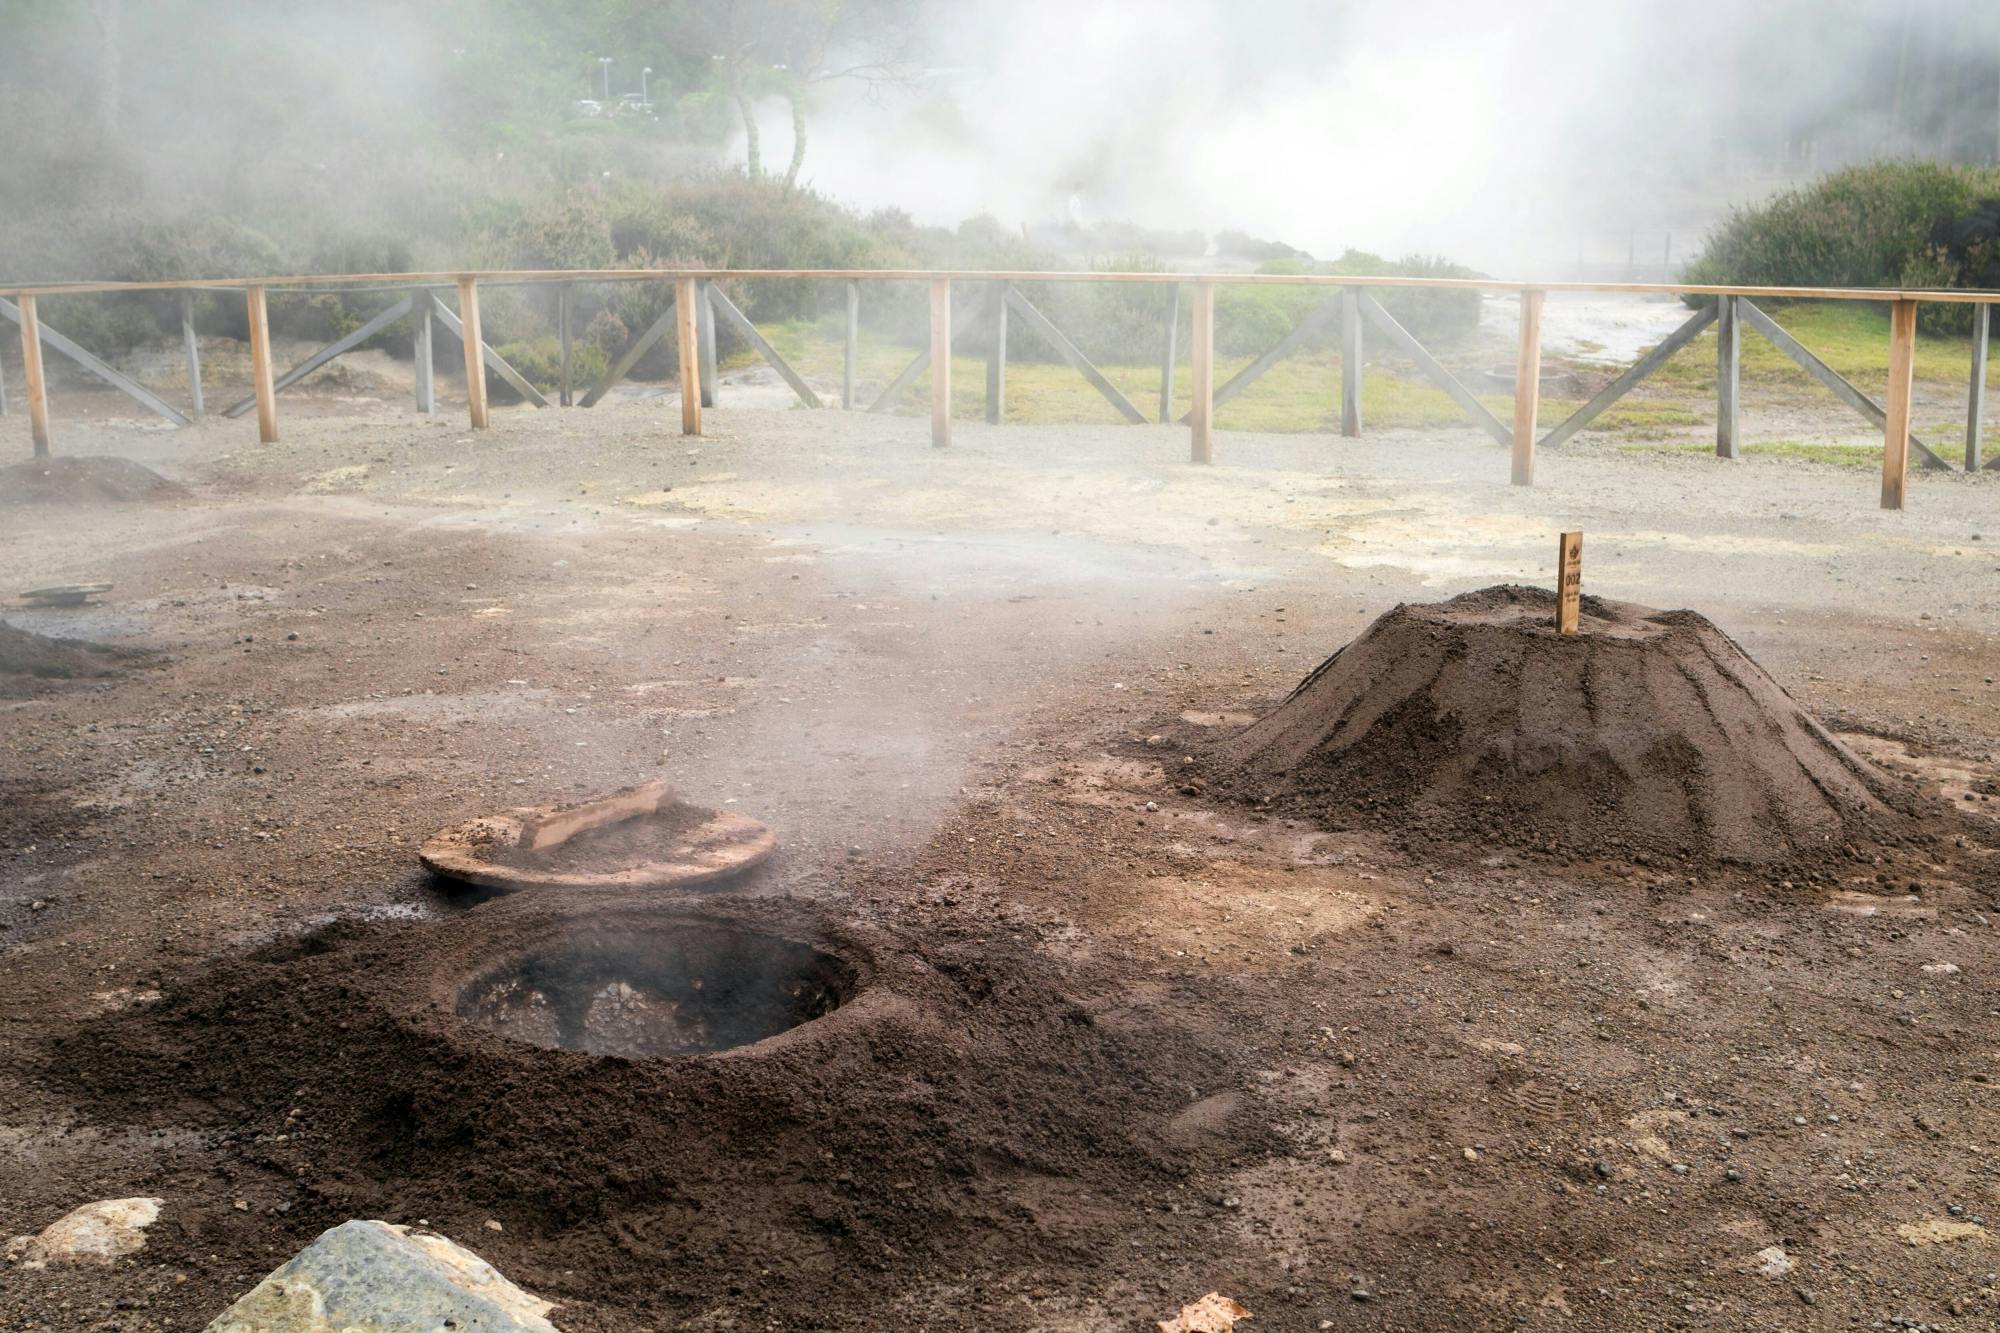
{"x":372,"y":1277}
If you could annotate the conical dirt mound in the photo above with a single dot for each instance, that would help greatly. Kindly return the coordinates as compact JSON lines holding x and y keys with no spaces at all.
{"x":1472,"y":721}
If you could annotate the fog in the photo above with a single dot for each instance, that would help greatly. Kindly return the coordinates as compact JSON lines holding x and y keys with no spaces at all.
{"x":1533,"y":138}
{"x":1510,"y":136}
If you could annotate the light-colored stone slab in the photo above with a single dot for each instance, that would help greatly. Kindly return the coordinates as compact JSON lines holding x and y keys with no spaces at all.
{"x":374,"y":1277}
{"x":96,"y":1233}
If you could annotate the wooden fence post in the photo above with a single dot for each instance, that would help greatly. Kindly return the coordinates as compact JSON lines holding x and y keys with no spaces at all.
{"x":1528,"y":386}
{"x":422,"y":357}
{"x":1350,"y":362}
{"x":1201,"y":376}
{"x":687,"y":338}
{"x":31,"y":369}
{"x":1902,"y":381}
{"x":192,"y":347}
{"x":940,"y":362}
{"x":563,"y":294}
{"x":996,"y":360}
{"x":475,"y":351}
{"x":1975,"y":401}
{"x":1728,"y":376}
{"x":260,"y":365}
{"x":851,"y":347}
{"x":1171,"y":355}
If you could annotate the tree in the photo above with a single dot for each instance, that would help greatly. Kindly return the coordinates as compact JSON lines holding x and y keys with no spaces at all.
{"x":787,"y":47}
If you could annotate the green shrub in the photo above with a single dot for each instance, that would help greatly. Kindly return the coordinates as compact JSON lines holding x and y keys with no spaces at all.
{"x":1434,"y":315}
{"x":129,"y":246}
{"x":1867,"y":226}
{"x":1248,"y":319}
{"x":540,"y":361}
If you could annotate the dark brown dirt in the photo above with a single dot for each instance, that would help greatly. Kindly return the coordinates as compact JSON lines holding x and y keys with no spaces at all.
{"x":1148,"y":1045}
{"x":70,"y":480}
{"x":1472,"y":722}
{"x":32,"y":664}
{"x":912,"y":1125}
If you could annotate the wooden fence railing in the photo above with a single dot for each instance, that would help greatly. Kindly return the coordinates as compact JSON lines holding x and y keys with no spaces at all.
{"x":698,"y":303}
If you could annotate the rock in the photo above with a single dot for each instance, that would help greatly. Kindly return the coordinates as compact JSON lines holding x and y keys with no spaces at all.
{"x":1936,"y":1231}
{"x":371,"y":1275}
{"x":96,"y":1233}
{"x":1771,"y":1262}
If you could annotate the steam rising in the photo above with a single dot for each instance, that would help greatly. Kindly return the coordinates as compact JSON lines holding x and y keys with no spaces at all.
{"x":1520,"y":137}
{"x":1506,"y":135}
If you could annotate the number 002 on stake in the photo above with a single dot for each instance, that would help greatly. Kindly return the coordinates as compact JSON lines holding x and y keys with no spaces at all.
{"x":1569,"y":581}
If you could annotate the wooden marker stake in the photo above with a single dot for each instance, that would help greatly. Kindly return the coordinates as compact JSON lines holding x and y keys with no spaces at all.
{"x":1569,"y":581}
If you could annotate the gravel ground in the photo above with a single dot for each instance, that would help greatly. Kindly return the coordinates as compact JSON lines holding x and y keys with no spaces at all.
{"x":1473,"y":1091}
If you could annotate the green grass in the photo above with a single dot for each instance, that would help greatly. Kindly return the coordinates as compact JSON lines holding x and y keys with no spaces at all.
{"x":1302,"y":392}
{"x":1850,"y":336}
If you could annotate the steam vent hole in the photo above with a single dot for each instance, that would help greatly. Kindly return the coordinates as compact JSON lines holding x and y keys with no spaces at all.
{"x":656,"y":992}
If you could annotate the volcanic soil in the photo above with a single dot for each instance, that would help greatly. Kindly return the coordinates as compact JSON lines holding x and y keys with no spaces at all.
{"x":1118,"y":1035}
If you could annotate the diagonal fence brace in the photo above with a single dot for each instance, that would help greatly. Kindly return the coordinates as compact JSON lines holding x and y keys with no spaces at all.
{"x":328,"y":353}
{"x":1842,"y":388}
{"x":741,"y":323}
{"x":1624,"y":384}
{"x":489,"y":357}
{"x":1407,"y":344}
{"x":125,"y":384}
{"x":1073,"y":354}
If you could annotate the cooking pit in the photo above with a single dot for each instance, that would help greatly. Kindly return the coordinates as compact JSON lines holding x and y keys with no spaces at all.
{"x":650,"y":991}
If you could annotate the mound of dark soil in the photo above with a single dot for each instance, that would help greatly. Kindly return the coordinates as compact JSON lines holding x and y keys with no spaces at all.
{"x":1473,"y":722}
{"x":84,"y":481}
{"x":931,"y":1115}
{"x":32,"y":664}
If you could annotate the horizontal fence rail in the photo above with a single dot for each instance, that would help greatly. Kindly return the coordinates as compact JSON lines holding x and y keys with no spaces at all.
{"x":698,"y":304}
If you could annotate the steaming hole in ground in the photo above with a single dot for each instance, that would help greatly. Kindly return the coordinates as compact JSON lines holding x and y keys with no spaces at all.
{"x":657,"y":992}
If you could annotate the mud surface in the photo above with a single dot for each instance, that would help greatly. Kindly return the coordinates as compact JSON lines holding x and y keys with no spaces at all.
{"x":32,"y":664}
{"x":1117,"y":1039}
{"x":1472,"y":723}
{"x":67,"y":480}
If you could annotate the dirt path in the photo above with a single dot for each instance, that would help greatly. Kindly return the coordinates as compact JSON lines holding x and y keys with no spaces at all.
{"x":1144,"y":1044}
